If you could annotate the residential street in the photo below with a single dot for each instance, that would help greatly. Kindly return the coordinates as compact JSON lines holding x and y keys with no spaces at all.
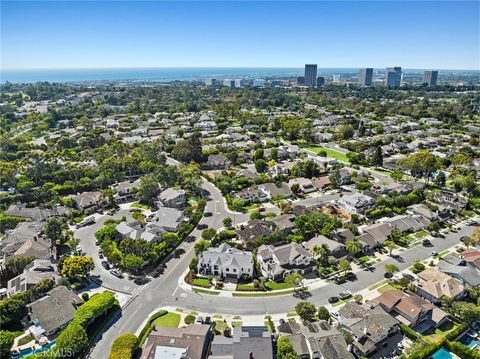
{"x":165,"y":291}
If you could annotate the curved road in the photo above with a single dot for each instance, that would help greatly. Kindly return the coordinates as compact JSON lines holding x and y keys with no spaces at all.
{"x":164,"y":291}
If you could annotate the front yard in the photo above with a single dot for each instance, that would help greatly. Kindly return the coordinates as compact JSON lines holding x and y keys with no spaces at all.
{"x":167,"y":320}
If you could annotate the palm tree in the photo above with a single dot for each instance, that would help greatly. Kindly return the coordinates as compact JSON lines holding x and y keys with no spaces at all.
{"x":353,"y":246}
{"x":322,"y":252}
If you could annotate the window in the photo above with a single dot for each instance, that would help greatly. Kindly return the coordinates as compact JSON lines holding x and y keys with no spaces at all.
{"x":226,"y":270}
{"x":234,"y":270}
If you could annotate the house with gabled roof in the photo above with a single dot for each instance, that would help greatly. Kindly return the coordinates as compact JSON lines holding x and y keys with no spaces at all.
{"x":226,"y":262}
{"x":276,"y":262}
{"x":412,"y":310}
{"x":433,"y":284}
{"x":369,"y":325}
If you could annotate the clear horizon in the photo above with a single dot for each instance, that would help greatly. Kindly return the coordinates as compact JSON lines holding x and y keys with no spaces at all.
{"x":99,"y":35}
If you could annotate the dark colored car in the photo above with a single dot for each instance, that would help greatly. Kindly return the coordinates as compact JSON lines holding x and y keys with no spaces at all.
{"x":350,"y":276}
{"x":333,"y":299}
{"x":141,"y":280}
{"x":340,"y":280}
{"x":105,"y":265}
{"x":202,"y":226}
{"x":208,"y":320}
{"x":388,"y":275}
{"x":262,"y":209}
{"x":426,"y":243}
{"x":460,"y":250}
{"x":208,"y":214}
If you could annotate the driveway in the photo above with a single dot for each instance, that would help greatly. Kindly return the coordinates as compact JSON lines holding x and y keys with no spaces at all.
{"x":165,"y":291}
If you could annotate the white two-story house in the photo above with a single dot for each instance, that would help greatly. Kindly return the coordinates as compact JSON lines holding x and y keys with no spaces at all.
{"x":225,"y":262}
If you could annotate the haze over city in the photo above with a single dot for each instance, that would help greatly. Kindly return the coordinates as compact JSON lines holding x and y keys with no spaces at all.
{"x":106,"y":34}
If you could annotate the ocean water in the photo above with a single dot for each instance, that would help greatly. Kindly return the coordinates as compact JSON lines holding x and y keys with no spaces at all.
{"x":163,"y":74}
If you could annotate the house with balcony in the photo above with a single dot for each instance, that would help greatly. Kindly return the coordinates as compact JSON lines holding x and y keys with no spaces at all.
{"x":225,"y":262}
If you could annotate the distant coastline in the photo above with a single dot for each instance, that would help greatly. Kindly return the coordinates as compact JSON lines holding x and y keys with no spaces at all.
{"x":168,"y":74}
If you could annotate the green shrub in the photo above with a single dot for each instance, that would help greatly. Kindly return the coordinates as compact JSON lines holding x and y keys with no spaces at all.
{"x":189,"y":319}
{"x":124,"y":347}
{"x":148,"y":327}
{"x":6,"y":342}
{"x":73,"y":339}
{"x":97,"y":305}
{"x":85,"y":296}
{"x":462,"y":350}
{"x":409,"y":332}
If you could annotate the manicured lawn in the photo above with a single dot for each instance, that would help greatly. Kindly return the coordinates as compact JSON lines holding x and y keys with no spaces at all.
{"x":330,"y":153}
{"x":139,"y":205}
{"x":442,"y":331}
{"x":270,"y":285}
{"x":261,"y":294}
{"x":26,"y":339}
{"x":420,"y":234}
{"x":245,"y":286}
{"x":379,"y":284}
{"x":201,"y":282}
{"x":168,"y":320}
{"x":204,"y":291}
{"x":385,"y":288}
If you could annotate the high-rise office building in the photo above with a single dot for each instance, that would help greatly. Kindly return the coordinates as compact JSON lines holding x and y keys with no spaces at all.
{"x":301,"y":80}
{"x":337,"y":78}
{"x":393,"y":77}
{"x":229,"y":83}
{"x":310,"y":75}
{"x":320,"y":81}
{"x":365,"y":76}
{"x":430,"y":77}
{"x":259,"y":83}
{"x":211,"y":82}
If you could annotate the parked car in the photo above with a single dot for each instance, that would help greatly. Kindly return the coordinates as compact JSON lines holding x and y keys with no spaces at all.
{"x":116,"y":273}
{"x":208,"y":320}
{"x":105,"y":265}
{"x":141,"y":280}
{"x":199,"y":320}
{"x":350,"y":276}
{"x":460,"y":250}
{"x":333,"y":299}
{"x":87,"y":221}
{"x":340,"y":280}
{"x":261,"y":209}
{"x":345,"y":294}
{"x":426,"y":243}
{"x":472,"y":222}
{"x":208,"y":214}
{"x":434,"y":254}
{"x":78,"y":249}
{"x":202,"y":226}
{"x":388,"y":275}
{"x":408,"y":276}
{"x":100,"y":253}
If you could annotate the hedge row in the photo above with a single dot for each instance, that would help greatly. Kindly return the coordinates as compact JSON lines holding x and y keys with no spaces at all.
{"x":74,"y":339}
{"x":97,"y":305}
{"x":124,"y":347}
{"x":148,"y":327}
{"x":462,"y":350}
{"x":409,"y":332}
{"x":189,"y":319}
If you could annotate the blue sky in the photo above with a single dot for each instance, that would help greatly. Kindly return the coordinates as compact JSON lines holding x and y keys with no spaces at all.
{"x":411,"y":34}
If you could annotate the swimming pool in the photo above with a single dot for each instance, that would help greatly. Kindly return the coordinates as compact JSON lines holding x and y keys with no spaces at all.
{"x":442,"y":353}
{"x":27,"y":352}
{"x":470,"y":341}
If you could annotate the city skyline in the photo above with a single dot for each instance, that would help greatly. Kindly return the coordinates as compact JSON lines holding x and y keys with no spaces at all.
{"x":180,"y":35}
